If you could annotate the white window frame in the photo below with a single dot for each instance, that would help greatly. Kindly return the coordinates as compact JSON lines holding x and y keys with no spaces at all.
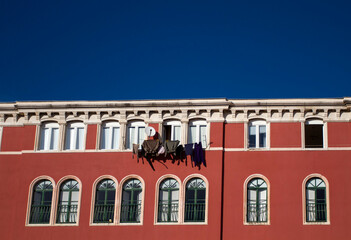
{"x":73,"y":135}
{"x":47,"y":140}
{"x":257,"y":124}
{"x":110,"y":125}
{"x":173,"y":124}
{"x":197,"y":124}
{"x":136,"y":125}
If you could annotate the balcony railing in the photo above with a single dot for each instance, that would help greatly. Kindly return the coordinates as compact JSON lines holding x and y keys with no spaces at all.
{"x":168,"y":212}
{"x":104,"y":213}
{"x":130,"y":212}
{"x":67,"y":213}
{"x":257,"y":212}
{"x":40,"y":214}
{"x":195,"y":212}
{"x":316,"y":212}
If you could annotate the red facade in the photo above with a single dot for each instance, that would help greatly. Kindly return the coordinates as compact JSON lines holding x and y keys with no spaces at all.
{"x":285,"y":164}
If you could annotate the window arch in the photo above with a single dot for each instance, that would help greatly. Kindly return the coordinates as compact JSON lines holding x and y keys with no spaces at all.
{"x":256,"y":200}
{"x":196,"y":195}
{"x":131,"y":201}
{"x":110,"y":134}
{"x":257,"y":134}
{"x":40,"y":198}
{"x":49,"y":136}
{"x":168,"y":200}
{"x":104,"y":202}
{"x":68,"y":202}
{"x":75,"y":136}
{"x":172,"y":130}
{"x":316,"y":199}
{"x":135,"y":133}
{"x":198,"y":132}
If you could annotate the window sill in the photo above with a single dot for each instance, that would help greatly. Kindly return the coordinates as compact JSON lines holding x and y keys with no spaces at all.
{"x":316,"y":223}
{"x":257,"y":223}
{"x":39,"y":225}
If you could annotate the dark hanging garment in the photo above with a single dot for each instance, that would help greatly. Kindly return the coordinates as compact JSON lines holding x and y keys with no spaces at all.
{"x":171,"y":146}
{"x":151,"y":146}
{"x":180,"y":153}
{"x":198,"y":155}
{"x":189,"y":148}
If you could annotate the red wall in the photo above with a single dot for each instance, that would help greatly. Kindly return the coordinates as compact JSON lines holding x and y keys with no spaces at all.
{"x":91,"y":136}
{"x":88,"y":167}
{"x":286,"y":171}
{"x":234,"y":135}
{"x":216,"y":134}
{"x":285,"y":135}
{"x":18,"y":138}
{"x":339,"y":134}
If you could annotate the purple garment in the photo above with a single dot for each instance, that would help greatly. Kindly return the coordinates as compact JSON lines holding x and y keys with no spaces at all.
{"x":198,"y":155}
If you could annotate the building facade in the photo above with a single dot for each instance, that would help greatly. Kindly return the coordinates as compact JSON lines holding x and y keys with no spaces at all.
{"x":269,"y":169}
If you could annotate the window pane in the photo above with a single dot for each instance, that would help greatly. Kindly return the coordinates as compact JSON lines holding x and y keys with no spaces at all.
{"x":75,"y":196}
{"x":115,"y":138}
{"x":176,"y":133}
{"x":203,"y":136}
{"x":80,"y":138}
{"x":69,"y":132}
{"x":192,"y":134}
{"x":130,"y":137}
{"x":141,"y":135}
{"x":252,"y":136}
{"x":175,"y":195}
{"x":262,"y":132}
{"x":105,"y":138}
{"x":54,"y":139}
{"x":163,"y":195}
{"x":43,"y":137}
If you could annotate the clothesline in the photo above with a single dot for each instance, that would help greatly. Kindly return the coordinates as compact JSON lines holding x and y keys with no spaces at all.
{"x":151,"y":149}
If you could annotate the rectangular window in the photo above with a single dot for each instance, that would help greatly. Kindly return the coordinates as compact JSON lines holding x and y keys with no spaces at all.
{"x":313,"y":136}
{"x":75,"y":136}
{"x":49,"y":136}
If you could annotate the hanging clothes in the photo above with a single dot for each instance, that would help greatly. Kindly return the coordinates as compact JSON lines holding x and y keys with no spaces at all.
{"x":189,"y":149}
{"x":198,"y":155}
{"x":150,"y":148}
{"x":171,"y":146}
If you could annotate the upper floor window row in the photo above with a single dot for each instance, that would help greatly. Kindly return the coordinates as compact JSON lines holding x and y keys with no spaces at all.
{"x":111,"y":135}
{"x":259,"y":134}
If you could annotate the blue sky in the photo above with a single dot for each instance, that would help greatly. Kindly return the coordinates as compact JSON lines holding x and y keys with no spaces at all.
{"x":126,"y":50}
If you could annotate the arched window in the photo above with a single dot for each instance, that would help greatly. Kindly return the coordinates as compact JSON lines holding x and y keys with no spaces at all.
{"x":41,"y":202}
{"x":172,"y":130}
{"x":135,"y":133}
{"x":257,"y":134}
{"x":49,"y":136}
{"x":75,"y":136}
{"x":316,"y":200}
{"x":195,"y":200}
{"x":131,"y":201}
{"x":104,"y":207}
{"x":67,"y":207}
{"x":110,"y":132}
{"x":257,"y":201}
{"x":198,"y":132}
{"x":168,"y":202}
